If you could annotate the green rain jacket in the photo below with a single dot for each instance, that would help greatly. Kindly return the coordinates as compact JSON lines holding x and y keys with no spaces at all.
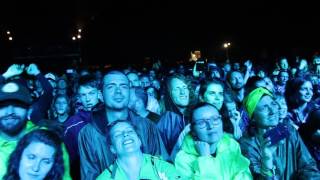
{"x":7,"y":147}
{"x":152,"y":168}
{"x":228,"y":163}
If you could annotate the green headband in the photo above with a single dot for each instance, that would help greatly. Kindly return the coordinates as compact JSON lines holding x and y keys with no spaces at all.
{"x":252,"y":99}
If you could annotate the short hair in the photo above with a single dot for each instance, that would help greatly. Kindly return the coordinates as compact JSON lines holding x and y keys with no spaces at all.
{"x":40,"y":135}
{"x":112,"y":124}
{"x":115,"y":71}
{"x":198,"y":106}
{"x":141,"y":94}
{"x":88,"y":80}
{"x":205,"y":84}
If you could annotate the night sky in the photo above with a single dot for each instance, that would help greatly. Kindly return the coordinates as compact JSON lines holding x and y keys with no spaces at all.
{"x":128,"y":31}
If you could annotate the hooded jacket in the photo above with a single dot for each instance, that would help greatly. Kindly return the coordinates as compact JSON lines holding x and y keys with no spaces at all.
{"x":228,"y":162}
{"x":293,"y":158}
{"x":95,"y":154}
{"x":151,"y":168}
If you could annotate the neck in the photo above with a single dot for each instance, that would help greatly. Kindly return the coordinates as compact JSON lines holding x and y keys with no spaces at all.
{"x":302,"y":107}
{"x":113,"y":115}
{"x":62,"y":117}
{"x":182,"y":109}
{"x":213,"y":147}
{"x":143,"y":113}
{"x":12,"y":137}
{"x":131,"y":164}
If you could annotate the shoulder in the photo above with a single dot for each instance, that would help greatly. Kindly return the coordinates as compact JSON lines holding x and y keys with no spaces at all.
{"x":104,"y":175}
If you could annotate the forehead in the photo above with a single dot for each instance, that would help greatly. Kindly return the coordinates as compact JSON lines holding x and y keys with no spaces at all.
{"x":120,"y":127}
{"x":265,"y":100}
{"x":215,"y":87}
{"x":306,"y":84}
{"x":61,"y":98}
{"x":236,"y":74}
{"x":175,"y":82}
{"x":133,"y":76}
{"x":117,"y":78}
{"x":204,"y":112}
{"x":85,"y":89}
{"x":40,"y":149}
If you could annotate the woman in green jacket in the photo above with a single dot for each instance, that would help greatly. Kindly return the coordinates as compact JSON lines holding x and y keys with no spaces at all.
{"x":131,"y":163}
{"x":209,"y":153}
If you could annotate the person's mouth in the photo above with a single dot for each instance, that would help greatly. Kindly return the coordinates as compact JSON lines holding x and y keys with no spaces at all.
{"x":128,"y":141}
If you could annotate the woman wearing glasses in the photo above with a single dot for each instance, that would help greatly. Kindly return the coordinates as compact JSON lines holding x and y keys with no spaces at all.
{"x":207,"y":152}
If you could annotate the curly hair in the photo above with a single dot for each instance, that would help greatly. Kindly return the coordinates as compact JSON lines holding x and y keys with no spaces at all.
{"x":45,"y":136}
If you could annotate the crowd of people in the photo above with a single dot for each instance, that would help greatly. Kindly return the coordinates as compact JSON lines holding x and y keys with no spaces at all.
{"x":218,"y":121}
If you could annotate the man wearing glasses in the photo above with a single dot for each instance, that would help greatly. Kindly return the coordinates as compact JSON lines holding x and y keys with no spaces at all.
{"x":209,"y":153}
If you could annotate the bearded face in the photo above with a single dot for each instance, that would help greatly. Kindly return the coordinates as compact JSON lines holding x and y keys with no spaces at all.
{"x":12,"y":119}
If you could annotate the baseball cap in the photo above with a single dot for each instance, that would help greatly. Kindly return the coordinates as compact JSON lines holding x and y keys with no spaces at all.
{"x":50,"y":76}
{"x":13,"y":91}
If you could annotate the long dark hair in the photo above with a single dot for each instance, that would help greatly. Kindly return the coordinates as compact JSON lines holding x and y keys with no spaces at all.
{"x":45,"y":136}
{"x":292,"y":91}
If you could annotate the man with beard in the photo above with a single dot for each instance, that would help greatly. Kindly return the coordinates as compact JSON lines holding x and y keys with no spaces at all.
{"x":235,"y":81}
{"x":15,"y":101}
{"x":95,"y":154}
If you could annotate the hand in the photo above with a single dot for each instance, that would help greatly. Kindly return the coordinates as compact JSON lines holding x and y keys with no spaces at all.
{"x":33,"y":70}
{"x":203,"y":148}
{"x":248,"y":64}
{"x":268,"y":153}
{"x":13,"y":70}
{"x":235,"y":117}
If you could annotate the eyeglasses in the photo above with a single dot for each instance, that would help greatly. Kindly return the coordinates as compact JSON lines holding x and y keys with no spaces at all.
{"x":204,"y":123}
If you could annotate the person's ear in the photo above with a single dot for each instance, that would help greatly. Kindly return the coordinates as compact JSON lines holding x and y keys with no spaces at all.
{"x":201,"y":98}
{"x":100,"y":96}
{"x":112,"y":149}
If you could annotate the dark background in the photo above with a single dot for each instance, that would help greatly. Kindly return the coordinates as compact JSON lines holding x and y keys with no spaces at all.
{"x":128,"y":32}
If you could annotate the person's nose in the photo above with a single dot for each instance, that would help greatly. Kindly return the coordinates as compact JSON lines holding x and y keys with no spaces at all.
{"x":118,"y":90}
{"x":36,"y":166}
{"x":9,"y":110}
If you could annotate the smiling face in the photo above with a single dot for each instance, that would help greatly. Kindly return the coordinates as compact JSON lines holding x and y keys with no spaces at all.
{"x":116,"y":91}
{"x":13,"y":119}
{"x":36,"y":161}
{"x":124,"y":139}
{"x":179,"y":92}
{"x":305,"y":92}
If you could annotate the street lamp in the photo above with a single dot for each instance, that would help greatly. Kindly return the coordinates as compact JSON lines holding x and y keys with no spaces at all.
{"x":226,"y":46}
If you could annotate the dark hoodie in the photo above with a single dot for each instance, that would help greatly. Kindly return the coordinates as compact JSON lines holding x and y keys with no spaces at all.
{"x":172,"y":122}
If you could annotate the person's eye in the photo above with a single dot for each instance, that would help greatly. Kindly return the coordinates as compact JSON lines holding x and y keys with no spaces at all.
{"x":47,"y":161}
{"x":201,"y":123}
{"x":31,"y":156}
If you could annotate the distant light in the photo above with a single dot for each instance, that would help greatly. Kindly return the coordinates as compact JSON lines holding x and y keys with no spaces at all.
{"x":79,"y":30}
{"x":74,"y":38}
{"x":225,"y":45}
{"x":8,"y":32}
{"x":229,"y":44}
{"x":79,"y":36}
{"x":10,"y":38}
